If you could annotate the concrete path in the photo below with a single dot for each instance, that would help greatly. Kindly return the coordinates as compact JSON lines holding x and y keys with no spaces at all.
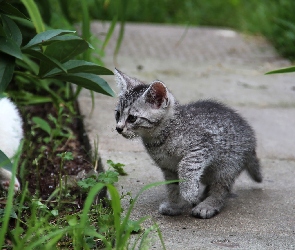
{"x":203,"y":63}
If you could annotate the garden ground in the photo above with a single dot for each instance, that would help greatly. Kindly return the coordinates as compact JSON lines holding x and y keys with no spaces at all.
{"x":202,"y":63}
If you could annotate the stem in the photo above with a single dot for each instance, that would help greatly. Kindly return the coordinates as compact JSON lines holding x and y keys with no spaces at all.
{"x":60,"y":180}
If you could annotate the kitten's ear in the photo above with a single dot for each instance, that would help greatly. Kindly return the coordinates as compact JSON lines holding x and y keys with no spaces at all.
{"x":125,"y":82}
{"x":156,"y":95}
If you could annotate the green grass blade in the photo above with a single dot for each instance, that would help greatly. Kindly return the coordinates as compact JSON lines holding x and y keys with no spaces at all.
{"x":125,"y":221}
{"x":160,"y":236}
{"x":123,"y":9}
{"x":9,"y":202}
{"x":85,"y":28}
{"x":87,"y":205}
{"x":44,"y":238}
{"x":116,"y":206}
{"x":34,"y":15}
{"x":283,"y":70}
{"x":110,"y":32}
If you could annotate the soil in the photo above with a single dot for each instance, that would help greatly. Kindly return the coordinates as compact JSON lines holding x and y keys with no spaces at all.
{"x":43,"y":165}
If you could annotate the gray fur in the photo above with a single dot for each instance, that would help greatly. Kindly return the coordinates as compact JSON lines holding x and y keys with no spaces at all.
{"x":203,"y":142}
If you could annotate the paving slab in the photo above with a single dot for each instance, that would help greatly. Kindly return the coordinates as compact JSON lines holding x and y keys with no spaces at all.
{"x":208,"y":63}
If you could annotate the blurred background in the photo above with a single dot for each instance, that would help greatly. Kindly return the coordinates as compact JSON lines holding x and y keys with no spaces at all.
{"x":274,"y":19}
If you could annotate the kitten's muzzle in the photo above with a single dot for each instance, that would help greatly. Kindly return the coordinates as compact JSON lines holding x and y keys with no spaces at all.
{"x":119,"y":130}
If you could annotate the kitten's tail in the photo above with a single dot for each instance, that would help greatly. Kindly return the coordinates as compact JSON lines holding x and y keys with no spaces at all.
{"x":253,"y":167}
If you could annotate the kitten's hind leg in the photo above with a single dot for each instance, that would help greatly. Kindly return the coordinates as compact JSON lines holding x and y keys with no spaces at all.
{"x":217,"y":193}
{"x":175,"y":204}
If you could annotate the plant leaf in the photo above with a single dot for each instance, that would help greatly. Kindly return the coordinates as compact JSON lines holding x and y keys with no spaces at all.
{"x":10,"y":10}
{"x":6,"y":70}
{"x":5,"y":162}
{"x":88,"y":81}
{"x":44,"y":125}
{"x":11,"y":29}
{"x":67,"y":48}
{"x":78,"y":66}
{"x":10,"y":47}
{"x":40,"y":38}
{"x":63,"y":51}
{"x":108,"y":177}
{"x":49,"y":61}
{"x":283,"y":70}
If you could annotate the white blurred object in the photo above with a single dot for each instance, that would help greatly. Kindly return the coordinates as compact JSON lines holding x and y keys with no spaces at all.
{"x":11,"y":133}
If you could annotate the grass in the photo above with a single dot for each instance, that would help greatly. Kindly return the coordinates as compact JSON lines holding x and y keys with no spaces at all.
{"x":36,"y":226}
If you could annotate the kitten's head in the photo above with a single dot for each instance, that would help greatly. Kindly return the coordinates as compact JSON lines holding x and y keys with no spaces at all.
{"x":141,"y":107}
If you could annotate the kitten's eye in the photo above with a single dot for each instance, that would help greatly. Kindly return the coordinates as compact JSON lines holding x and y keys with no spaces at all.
{"x":131,"y":118}
{"x":117,"y":115}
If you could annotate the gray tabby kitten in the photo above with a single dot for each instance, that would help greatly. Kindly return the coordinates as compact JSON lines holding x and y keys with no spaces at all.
{"x":199,"y":143}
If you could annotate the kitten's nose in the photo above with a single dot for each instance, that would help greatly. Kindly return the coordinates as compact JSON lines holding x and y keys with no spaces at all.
{"x":120,"y":130}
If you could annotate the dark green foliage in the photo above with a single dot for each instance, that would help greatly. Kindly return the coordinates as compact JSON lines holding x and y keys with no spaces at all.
{"x":45,"y":62}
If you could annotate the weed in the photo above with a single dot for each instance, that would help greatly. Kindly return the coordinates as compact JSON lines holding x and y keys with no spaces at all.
{"x":118,"y":167}
{"x":95,"y":226}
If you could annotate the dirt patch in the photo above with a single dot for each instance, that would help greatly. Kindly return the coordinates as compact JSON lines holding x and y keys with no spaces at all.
{"x":44,"y":166}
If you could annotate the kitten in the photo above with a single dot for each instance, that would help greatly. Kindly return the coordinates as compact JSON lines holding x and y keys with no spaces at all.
{"x":203,"y":142}
{"x":11,"y":134}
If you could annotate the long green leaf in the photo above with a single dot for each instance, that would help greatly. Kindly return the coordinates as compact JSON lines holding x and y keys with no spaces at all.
{"x":122,"y":14}
{"x":7,"y":64}
{"x":10,"y":47}
{"x":27,"y":98}
{"x":283,"y":70}
{"x":28,"y":64}
{"x":9,"y":202}
{"x":42,"y":38}
{"x":11,"y":29}
{"x":85,"y":27}
{"x":11,"y":10}
{"x":5,"y":162}
{"x":49,"y":61}
{"x":110,"y":32}
{"x":87,"y":205}
{"x":79,"y":66}
{"x":88,"y":81}
{"x":116,"y":206}
{"x":34,"y":15}
{"x":23,"y":22}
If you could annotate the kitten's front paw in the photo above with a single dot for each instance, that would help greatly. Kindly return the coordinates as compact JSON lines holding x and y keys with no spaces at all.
{"x":204,"y":211}
{"x":171,"y":209}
